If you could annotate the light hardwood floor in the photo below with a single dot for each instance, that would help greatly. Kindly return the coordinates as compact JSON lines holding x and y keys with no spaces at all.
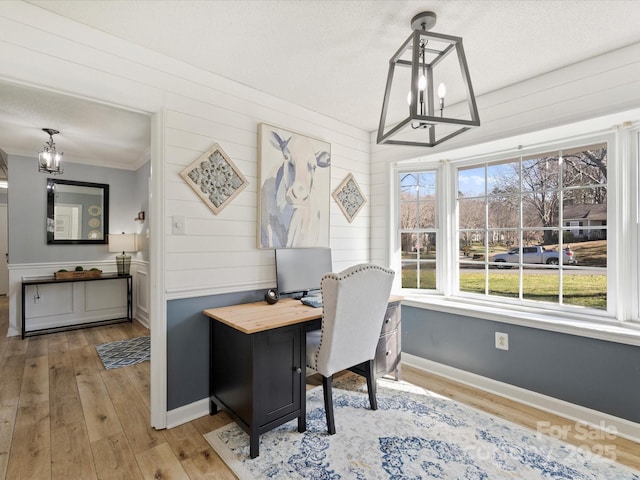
{"x":63,"y":416}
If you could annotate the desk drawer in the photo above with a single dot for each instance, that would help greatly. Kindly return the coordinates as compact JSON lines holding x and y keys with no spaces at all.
{"x":391,"y":319}
{"x":388,"y":353}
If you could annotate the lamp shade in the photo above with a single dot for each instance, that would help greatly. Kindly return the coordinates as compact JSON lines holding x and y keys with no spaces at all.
{"x":123,"y":242}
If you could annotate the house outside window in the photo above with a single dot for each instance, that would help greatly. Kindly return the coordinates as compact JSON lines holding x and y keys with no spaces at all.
{"x":418,"y":229}
{"x":534,"y":228}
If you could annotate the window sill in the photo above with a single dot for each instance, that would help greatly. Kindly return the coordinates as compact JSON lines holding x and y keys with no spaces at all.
{"x":581,"y":325}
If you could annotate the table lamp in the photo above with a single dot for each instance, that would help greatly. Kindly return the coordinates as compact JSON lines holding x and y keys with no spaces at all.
{"x":123,"y":242}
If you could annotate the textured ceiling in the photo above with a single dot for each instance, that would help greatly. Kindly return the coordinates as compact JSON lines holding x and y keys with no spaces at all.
{"x":90,"y":133}
{"x":332,"y":56}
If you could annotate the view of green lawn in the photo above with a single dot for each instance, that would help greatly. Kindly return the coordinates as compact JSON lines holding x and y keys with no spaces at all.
{"x":584,"y":290}
{"x":579,"y":288}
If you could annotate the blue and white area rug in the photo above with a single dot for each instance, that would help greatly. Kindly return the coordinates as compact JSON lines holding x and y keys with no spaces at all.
{"x":414,"y":434}
{"x":124,"y":352}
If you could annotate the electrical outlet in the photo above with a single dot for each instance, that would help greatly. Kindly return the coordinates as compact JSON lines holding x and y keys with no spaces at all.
{"x":502,"y":341}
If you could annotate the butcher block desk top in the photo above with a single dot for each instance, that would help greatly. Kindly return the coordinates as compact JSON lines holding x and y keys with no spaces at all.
{"x":260,"y":316}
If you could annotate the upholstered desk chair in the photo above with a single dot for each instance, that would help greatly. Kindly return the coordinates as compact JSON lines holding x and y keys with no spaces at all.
{"x":355,"y":301}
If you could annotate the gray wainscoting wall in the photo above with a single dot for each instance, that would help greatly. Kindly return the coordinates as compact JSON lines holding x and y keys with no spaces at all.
{"x":597,"y":374}
{"x":188,"y":344}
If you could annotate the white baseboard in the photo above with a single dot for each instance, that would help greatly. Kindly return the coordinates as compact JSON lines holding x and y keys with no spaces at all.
{"x":623,"y":428}
{"x":143,"y":321}
{"x":186,"y":413}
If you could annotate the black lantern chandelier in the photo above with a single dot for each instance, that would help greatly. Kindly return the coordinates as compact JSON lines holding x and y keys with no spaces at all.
{"x":49,"y":160}
{"x":424,"y":60}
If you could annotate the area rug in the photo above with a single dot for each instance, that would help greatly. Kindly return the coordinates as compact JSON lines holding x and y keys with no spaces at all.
{"x":124,"y":352}
{"x":414,"y":434}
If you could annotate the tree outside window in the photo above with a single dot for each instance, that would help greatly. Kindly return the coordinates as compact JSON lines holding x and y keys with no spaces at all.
{"x":418,"y":229}
{"x":556,"y":201}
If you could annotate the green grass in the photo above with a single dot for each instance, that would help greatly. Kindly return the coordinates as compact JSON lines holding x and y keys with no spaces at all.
{"x":427,"y":279}
{"x":583,"y":290}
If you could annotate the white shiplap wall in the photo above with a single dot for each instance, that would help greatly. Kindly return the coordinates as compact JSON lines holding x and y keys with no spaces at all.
{"x":218,"y":253}
{"x":192,"y":109}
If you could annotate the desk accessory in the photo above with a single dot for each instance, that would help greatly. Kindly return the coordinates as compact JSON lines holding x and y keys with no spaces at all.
{"x":271,"y":297}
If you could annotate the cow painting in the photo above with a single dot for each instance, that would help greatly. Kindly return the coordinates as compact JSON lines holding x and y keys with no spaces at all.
{"x":294,"y":193}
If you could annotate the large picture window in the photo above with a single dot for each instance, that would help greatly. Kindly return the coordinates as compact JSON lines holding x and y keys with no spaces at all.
{"x":534,"y":228}
{"x":418,"y":220}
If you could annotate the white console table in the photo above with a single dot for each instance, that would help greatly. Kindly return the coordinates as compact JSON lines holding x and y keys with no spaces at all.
{"x":52,"y":280}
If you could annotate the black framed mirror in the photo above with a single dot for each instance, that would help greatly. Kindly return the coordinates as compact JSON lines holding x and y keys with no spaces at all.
{"x":77,"y":212}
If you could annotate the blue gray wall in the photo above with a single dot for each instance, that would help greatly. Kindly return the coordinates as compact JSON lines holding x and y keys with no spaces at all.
{"x":27,"y":209}
{"x":597,"y":374}
{"x":188,"y":345}
{"x":601,"y":375}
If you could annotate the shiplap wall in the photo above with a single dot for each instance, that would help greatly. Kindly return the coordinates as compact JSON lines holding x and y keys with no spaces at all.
{"x":218,"y":253}
{"x":192,"y":110}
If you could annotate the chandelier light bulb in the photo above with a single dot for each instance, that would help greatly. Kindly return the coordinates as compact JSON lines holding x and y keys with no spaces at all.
{"x":442,"y":90}
{"x":422,"y":83}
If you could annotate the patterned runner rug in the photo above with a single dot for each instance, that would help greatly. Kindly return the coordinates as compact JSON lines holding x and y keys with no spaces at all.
{"x":124,"y":352}
{"x":414,"y":434}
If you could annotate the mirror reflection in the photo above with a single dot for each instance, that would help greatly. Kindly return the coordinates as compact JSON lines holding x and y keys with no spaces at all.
{"x":77,"y":212}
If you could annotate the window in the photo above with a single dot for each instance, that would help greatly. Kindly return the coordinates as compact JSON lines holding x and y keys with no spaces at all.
{"x":418,"y":228}
{"x":534,"y":228}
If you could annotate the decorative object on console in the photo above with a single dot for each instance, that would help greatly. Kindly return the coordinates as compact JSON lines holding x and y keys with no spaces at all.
{"x":79,"y":272}
{"x":49,"y":160}
{"x":215,"y":178}
{"x":430,"y":59}
{"x":349,"y":197}
{"x":123,"y":242}
{"x":294,"y":189}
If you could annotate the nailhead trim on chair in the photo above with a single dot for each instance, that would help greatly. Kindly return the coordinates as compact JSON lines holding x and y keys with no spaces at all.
{"x":340,"y":276}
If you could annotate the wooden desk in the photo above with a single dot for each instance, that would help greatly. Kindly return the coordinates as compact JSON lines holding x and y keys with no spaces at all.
{"x":257,"y":365}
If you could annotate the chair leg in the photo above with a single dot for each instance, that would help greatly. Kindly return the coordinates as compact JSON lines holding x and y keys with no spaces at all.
{"x":371,"y":384}
{"x":328,"y":403}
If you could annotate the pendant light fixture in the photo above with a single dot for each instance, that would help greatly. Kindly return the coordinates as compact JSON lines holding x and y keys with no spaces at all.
{"x":424,"y":60}
{"x":49,"y":160}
